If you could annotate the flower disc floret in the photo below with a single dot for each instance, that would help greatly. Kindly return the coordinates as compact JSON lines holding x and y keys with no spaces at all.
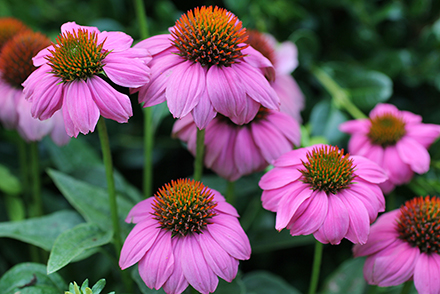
{"x":328,"y":169}
{"x":77,"y":55}
{"x":419,"y":223}
{"x":9,"y":27}
{"x":16,"y":57}
{"x":386,"y":129}
{"x":184,"y":207}
{"x":209,"y":36}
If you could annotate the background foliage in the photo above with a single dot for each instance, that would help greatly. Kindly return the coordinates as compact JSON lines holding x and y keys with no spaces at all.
{"x":369,"y":51}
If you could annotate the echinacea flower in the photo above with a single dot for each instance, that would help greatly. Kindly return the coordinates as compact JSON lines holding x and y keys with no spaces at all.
{"x":396,"y":140}
{"x":233,"y":151}
{"x":72,"y":72}
{"x":9,"y":27}
{"x":320,"y":190}
{"x":185,"y":234}
{"x":15,"y":111}
{"x":284,"y":57}
{"x":404,"y":245}
{"x":203,"y":67}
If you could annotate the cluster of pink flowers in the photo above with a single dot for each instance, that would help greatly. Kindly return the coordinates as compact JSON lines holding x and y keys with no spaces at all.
{"x":237,"y":86}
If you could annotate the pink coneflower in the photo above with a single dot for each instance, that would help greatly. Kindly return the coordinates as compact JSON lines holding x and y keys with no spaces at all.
{"x":204,"y":67}
{"x":15,"y":111}
{"x":320,"y":190}
{"x":404,"y":245}
{"x":185,"y":234}
{"x":396,"y":140}
{"x":9,"y":27}
{"x":233,"y":151}
{"x":72,"y":72}
{"x":284,"y":57}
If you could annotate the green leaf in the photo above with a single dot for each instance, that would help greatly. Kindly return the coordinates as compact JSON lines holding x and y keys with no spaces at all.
{"x":141,"y":285}
{"x":348,"y":278}
{"x":366,"y":88}
{"x":261,"y":282}
{"x":41,"y":231}
{"x":9,"y":183}
{"x":236,"y":286}
{"x":30,"y":278}
{"x":15,"y":207}
{"x":75,"y":241}
{"x":91,"y":201}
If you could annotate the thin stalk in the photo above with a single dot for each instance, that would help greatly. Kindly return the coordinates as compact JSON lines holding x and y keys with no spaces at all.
{"x":37,"y":201}
{"x":200,"y":150}
{"x":230,"y":193}
{"x":316,"y":267}
{"x":141,"y":18}
{"x":339,"y":95}
{"x":406,"y":287}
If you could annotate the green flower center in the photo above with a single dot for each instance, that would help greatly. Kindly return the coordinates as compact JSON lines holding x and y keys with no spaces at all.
{"x":419,"y":223}
{"x":16,"y":58}
{"x":386,"y":130}
{"x":328,"y":169}
{"x":184,"y":207}
{"x":209,"y":36}
{"x":77,"y":55}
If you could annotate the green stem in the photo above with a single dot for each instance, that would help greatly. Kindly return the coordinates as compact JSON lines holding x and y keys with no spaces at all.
{"x":148,"y":152}
{"x":141,"y":18}
{"x":316,"y":267}
{"x":37,"y":203}
{"x":339,"y":95}
{"x":372,"y":289}
{"x":230,"y":192}
{"x":406,"y":287}
{"x":200,"y":150}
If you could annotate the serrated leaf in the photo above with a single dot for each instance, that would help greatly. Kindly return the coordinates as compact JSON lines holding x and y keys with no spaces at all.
{"x":262,"y":282}
{"x":75,"y":241}
{"x":31,"y":278}
{"x":41,"y":231}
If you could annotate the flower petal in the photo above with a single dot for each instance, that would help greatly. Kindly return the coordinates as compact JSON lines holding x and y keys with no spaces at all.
{"x":126,"y":72}
{"x":141,"y":211}
{"x":427,"y":274}
{"x":115,"y":41}
{"x":279,"y":177}
{"x":368,"y":170}
{"x":177,"y":282}
{"x":247,"y":156}
{"x":203,"y":113}
{"x":156,"y":44}
{"x":289,"y":204}
{"x":414,"y":154}
{"x":424,"y":134}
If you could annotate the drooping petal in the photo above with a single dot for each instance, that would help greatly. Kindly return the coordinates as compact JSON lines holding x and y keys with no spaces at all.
{"x":286,"y":58}
{"x":357,"y":142}
{"x":384,"y":108}
{"x":292,"y":99}
{"x":356,"y":126}
{"x":115,"y":41}
{"x":246,"y":154}
{"x":279,"y":177}
{"x":141,"y":211}
{"x":82,"y":109}
{"x":370,"y":195}
{"x":368,"y":170}
{"x":71,"y":129}
{"x":221,"y":263}
{"x":427,"y":273}
{"x":111,"y":103}
{"x":271,"y":198}
{"x":156,"y":44}
{"x":126,"y":72}
{"x":158,"y":263}
{"x":295,"y":157}
{"x":138,"y":242}
{"x":195,"y":268}
{"x":414,"y":154}
{"x":288,"y":126}
{"x":177,"y":282}
{"x":424,"y":134}
{"x":40,"y":58}
{"x":335,"y":226}
{"x":398,"y":171}
{"x":203,"y":113}
{"x":72,"y":26}
{"x":186,"y":86}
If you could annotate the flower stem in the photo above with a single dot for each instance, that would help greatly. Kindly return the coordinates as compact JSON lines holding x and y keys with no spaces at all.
{"x":200,"y":150}
{"x":316,"y":267}
{"x":230,"y":192}
{"x":107,"y":158}
{"x":141,"y":18}
{"x":406,"y":287}
{"x":339,"y":95}
{"x":37,"y":203}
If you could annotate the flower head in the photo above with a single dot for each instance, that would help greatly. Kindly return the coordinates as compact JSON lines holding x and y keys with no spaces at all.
{"x":396,"y":140}
{"x":283,"y":56}
{"x":15,"y":111}
{"x":204,"y":67}
{"x":10,"y":27}
{"x":233,"y":151}
{"x":72,"y":75}
{"x":404,"y":244}
{"x":185,"y":234}
{"x":320,"y":190}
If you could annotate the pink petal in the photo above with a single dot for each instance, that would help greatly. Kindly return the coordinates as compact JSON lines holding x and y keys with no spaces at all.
{"x":356,"y":126}
{"x":398,"y":171}
{"x":289,"y":204}
{"x":384,"y":108}
{"x":177,"y":282}
{"x":368,"y":170}
{"x":287,"y":54}
{"x":221,"y":263}
{"x":427,"y":273}
{"x":295,"y":157}
{"x":58,"y":134}
{"x":372,"y":152}
{"x":195,"y":268}
{"x":228,"y":233}
{"x":141,"y":211}
{"x":72,"y":26}
{"x":138,"y":242}
{"x":424,"y":134}
{"x":257,"y":60}
{"x":126,"y":72}
{"x":409,"y":117}
{"x":256,"y":85}
{"x":111,"y":103}
{"x":291,"y":97}
{"x":247,"y":156}
{"x":156,"y":44}
{"x":203,"y":113}
{"x":336,"y":223}
{"x":370,"y":195}
{"x":31,"y":129}
{"x":357,"y":142}
{"x":279,"y":177}
{"x":287,"y":126}
{"x":158,"y":263}
{"x":250,"y":110}
{"x":271,"y":198}
{"x":81,"y":107}
{"x":217,"y":137}
{"x":312,"y":217}
{"x":186,"y":86}
{"x":359,"y":219}
{"x":413,"y":154}
{"x":115,"y":41}
{"x":34,"y":79}
{"x":71,"y":129}
{"x":47,"y":98}
{"x":40,"y":58}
